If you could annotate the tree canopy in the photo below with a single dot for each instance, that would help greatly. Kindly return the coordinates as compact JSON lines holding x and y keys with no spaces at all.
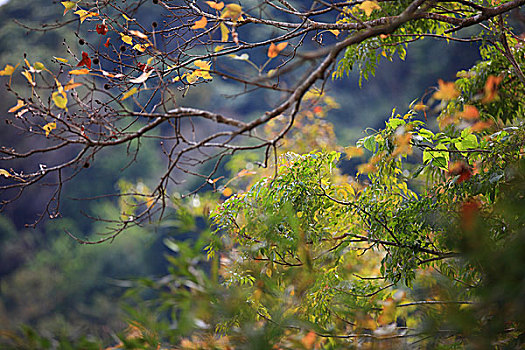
{"x":417,"y":245}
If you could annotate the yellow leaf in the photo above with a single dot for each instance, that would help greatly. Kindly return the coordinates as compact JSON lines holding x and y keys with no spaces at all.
{"x":71,"y":85}
{"x":191,"y":78}
{"x":132,"y":91}
{"x":60,"y":100}
{"x":218,"y":48}
{"x":126,"y":38}
{"x":335,"y":32}
{"x":60,"y":59}
{"x":49,"y":127}
{"x":19,"y":104}
{"x":224,"y":32}
{"x":368,"y":6}
{"x":29,"y":77}
{"x":148,"y":62}
{"x":68,"y":5}
{"x":141,"y":47}
{"x":79,"y":71}
{"x":127,"y":18}
{"x":215,"y":5}
{"x":201,"y":23}
{"x":8,"y":70}
{"x":274,"y":50}
{"x":138,"y":34}
{"x":232,"y":11}
{"x":446,"y":91}
{"x":85,"y":14}
{"x":5,"y":173}
{"x":39,"y":66}
{"x":202,"y":64}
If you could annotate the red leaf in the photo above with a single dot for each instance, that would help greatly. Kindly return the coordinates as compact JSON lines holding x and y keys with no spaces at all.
{"x":102,"y":29}
{"x":144,"y":67}
{"x":86,"y":61}
{"x":106,"y":44}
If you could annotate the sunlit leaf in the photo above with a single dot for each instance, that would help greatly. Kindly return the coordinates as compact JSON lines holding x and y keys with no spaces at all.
{"x":29,"y":77}
{"x":127,"y":18}
{"x":141,"y":47}
{"x":138,"y":34}
{"x":83,"y":14}
{"x":8,"y":70}
{"x":243,"y":57}
{"x":202,"y":64}
{"x":79,"y":71}
{"x":142,"y":78}
{"x":60,"y":59}
{"x":68,"y":5}
{"x":215,"y":5}
{"x":201,"y":23}
{"x":368,"y":6}
{"x":274,"y":50}
{"x":131,"y":92}
{"x":335,"y":32}
{"x":49,"y":127}
{"x":126,"y":38}
{"x":19,"y":104}
{"x":5,"y":173}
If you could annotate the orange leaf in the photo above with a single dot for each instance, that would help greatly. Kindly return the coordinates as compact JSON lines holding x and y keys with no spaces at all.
{"x":19,"y":104}
{"x":79,"y":71}
{"x":215,"y":5}
{"x":446,"y":91}
{"x":201,"y":23}
{"x":274,"y":50}
{"x":469,"y":113}
{"x":71,"y":85}
{"x":227,"y":192}
{"x":491,"y":88}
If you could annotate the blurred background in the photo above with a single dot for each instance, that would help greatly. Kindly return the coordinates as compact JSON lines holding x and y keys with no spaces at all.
{"x":57,"y":286}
